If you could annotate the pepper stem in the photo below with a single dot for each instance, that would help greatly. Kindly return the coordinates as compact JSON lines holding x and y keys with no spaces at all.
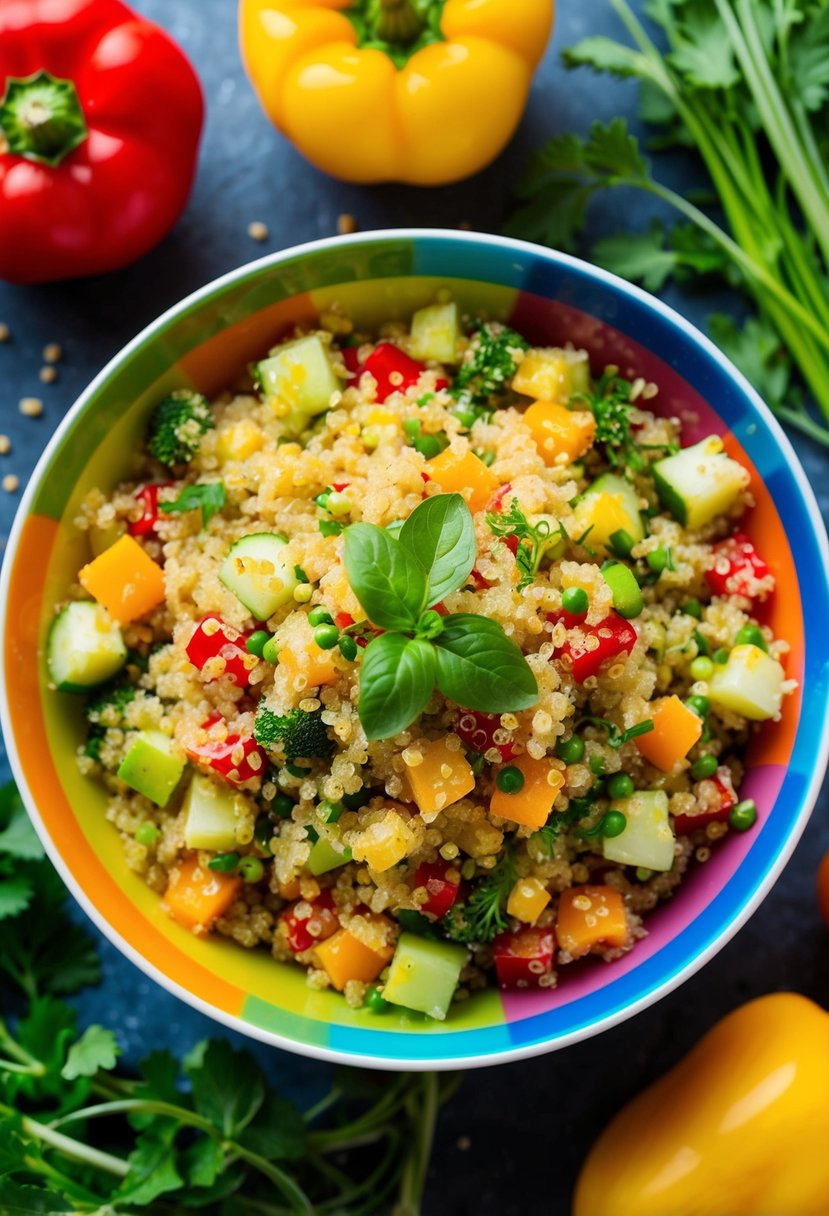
{"x":397,"y":21}
{"x":41,"y":118}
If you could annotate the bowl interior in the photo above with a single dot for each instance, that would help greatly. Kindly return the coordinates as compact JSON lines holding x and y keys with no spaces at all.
{"x":205,"y":343}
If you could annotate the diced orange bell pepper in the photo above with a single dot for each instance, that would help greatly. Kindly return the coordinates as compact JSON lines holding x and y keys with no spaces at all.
{"x":196,"y":896}
{"x":676,"y":729}
{"x":454,"y":474}
{"x":534,"y":801}
{"x":443,"y":777}
{"x":591,"y":919}
{"x":344,"y":957}
{"x":527,"y":900}
{"x":125,"y":580}
{"x":308,"y":660}
{"x":558,"y":431}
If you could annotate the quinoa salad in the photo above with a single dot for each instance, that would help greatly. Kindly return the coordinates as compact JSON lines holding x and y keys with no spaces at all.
{"x":423,"y":659}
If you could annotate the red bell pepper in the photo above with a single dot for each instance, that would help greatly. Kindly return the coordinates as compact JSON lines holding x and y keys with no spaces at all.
{"x":524,"y":958}
{"x":615,"y":636}
{"x":100,"y":123}
{"x":441,"y":890}
{"x":148,"y":497}
{"x":213,"y":638}
{"x":737,"y":569}
{"x":477,"y":731}
{"x":319,"y":922}
{"x":351,"y":359}
{"x":395,"y":371}
{"x":235,"y":758}
{"x":685,"y":824}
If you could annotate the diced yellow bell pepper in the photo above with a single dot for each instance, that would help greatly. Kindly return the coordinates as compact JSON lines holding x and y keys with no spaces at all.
{"x":591,"y":919}
{"x":239,"y":441}
{"x":196,"y":896}
{"x":125,"y":580}
{"x":384,"y":843}
{"x":344,"y":957}
{"x":454,"y":474}
{"x":603,"y":514}
{"x":558,"y":431}
{"x":676,"y":729}
{"x":309,"y":660}
{"x":527,"y":900}
{"x":552,"y":374}
{"x":443,"y":777}
{"x":532,"y":804}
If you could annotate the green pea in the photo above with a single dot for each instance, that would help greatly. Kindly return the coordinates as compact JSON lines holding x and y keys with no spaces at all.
{"x":693,"y":608}
{"x":571,"y":750}
{"x":466,"y":418}
{"x":643,"y":874}
{"x":574,"y":600}
{"x":431,"y":445}
{"x":596,"y":764}
{"x":743,"y":816}
{"x":251,"y":869}
{"x":621,"y":542}
{"x":698,"y":704}
{"x":620,"y":785}
{"x":319,"y":616}
{"x":657,"y":559}
{"x":225,"y":863}
{"x":283,"y":806}
{"x":270,"y":651}
{"x":326,"y":636}
{"x":374,"y":1000}
{"x":257,"y":642}
{"x":146,"y":833}
{"x":510,"y":780}
{"x":411,"y":426}
{"x":339,"y":504}
{"x":627,"y":594}
{"x":706,"y":766}
{"x":348,"y":648}
{"x":468,"y":869}
{"x":720,"y":656}
{"x":263,"y":831}
{"x":701,"y":668}
{"x":613,"y":823}
{"x":751,"y":635}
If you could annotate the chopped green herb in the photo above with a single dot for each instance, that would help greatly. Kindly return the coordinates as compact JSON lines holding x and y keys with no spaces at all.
{"x":208,"y":497}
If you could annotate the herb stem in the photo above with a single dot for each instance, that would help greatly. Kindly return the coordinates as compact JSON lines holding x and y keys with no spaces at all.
{"x":69,"y":1147}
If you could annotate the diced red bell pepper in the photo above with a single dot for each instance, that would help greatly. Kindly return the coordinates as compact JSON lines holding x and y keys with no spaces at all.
{"x":685,"y":824}
{"x":478,"y":579}
{"x":148,"y":497}
{"x":320,"y":922}
{"x":395,"y":371}
{"x":477,"y":731}
{"x":441,"y":890}
{"x":737,"y":569}
{"x":522,"y":959}
{"x":499,"y":496}
{"x":615,"y":636}
{"x":213,"y":638}
{"x":234,"y":758}
{"x":351,"y":359}
{"x":339,"y":486}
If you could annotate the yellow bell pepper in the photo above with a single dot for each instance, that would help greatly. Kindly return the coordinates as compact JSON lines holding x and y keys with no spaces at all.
{"x":436,"y":103}
{"x":737,"y":1128}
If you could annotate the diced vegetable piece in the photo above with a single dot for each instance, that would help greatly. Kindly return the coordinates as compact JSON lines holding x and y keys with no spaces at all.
{"x":147,"y":496}
{"x":552,"y":374}
{"x":233,"y":757}
{"x":384,"y":843}
{"x":196,"y":896}
{"x":524,"y":958}
{"x":443,"y":777}
{"x":609,"y":505}
{"x":454,"y":474}
{"x":240,"y":440}
{"x":308,"y":660}
{"x":328,"y":853}
{"x":394,"y":371}
{"x":318,"y":922}
{"x":435,"y":332}
{"x":298,"y":380}
{"x":738,"y":569}
{"x":676,"y":729}
{"x":590,"y":920}
{"x":424,"y":975}
{"x":685,"y":824}
{"x":210,"y":816}
{"x":627,"y":594}
{"x":442,"y":892}
{"x":150,"y":767}
{"x":527,"y":900}
{"x":346,"y":957}
{"x":477,"y":731}
{"x":84,"y":648}
{"x":532,"y":804}
{"x":214,"y":639}
{"x":699,"y":482}
{"x":559,"y":432}
{"x":125,"y":580}
{"x":647,"y":840}
{"x":750,"y":683}
{"x":615,"y":635}
{"x":259,"y":573}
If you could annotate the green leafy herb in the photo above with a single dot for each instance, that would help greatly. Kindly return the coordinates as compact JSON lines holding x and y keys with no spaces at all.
{"x":534,"y":539}
{"x":387,"y":579}
{"x":489,"y":363}
{"x":440,"y":536}
{"x":96,"y":1048}
{"x":480,"y":668}
{"x":483,"y":914}
{"x":616,"y":737}
{"x":208,"y":497}
{"x":396,"y":682}
{"x":562,"y":821}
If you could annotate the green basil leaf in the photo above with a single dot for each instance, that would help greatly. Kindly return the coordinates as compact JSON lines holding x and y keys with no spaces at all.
{"x":440,"y":535}
{"x":396,"y":680}
{"x":480,"y":668}
{"x":386,"y":579}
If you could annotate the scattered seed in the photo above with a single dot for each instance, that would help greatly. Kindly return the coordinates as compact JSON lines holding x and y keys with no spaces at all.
{"x":11,"y":483}
{"x":48,"y":374}
{"x":5,"y":445}
{"x":346,"y":223}
{"x":5,"y":332}
{"x":31,"y":407}
{"x":52,"y":352}
{"x":258,"y":231}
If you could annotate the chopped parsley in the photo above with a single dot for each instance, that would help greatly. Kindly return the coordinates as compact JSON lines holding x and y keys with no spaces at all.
{"x":533,"y":539}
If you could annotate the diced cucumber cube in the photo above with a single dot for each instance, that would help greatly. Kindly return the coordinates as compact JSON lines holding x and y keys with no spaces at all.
{"x":424,"y":975}
{"x":210,"y":816}
{"x":699,"y":483}
{"x":150,"y":766}
{"x":298,"y":380}
{"x":648,"y":840}
{"x":435,"y":333}
{"x":750,"y":683}
{"x":609,"y":505}
{"x":328,"y":853}
{"x":258,"y":572}
{"x":84,"y":648}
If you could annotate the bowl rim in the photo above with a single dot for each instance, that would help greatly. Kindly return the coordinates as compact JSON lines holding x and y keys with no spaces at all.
{"x":602,"y":278}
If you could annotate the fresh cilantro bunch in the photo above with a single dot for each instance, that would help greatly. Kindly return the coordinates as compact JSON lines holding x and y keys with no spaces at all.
{"x":398,"y":580}
{"x":745,"y":85}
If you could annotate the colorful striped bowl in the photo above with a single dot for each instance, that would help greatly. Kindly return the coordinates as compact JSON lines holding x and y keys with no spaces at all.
{"x":204,"y":342}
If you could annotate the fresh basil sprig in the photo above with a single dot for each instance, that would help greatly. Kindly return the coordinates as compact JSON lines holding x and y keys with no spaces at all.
{"x":397,"y":580}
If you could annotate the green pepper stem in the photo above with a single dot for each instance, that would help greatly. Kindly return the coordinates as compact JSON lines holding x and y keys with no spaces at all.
{"x":41,"y":118}
{"x":397,"y":21}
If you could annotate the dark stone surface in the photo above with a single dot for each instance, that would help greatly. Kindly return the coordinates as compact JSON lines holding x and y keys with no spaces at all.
{"x":530,"y":1123}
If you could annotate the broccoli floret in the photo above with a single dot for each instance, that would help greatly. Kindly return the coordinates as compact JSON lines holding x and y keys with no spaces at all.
{"x":177,"y":425}
{"x":104,"y":710}
{"x":490,"y":362}
{"x":298,"y":733}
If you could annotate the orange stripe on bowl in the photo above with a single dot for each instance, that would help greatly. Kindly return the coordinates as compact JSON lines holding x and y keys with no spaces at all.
{"x":31,"y":742}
